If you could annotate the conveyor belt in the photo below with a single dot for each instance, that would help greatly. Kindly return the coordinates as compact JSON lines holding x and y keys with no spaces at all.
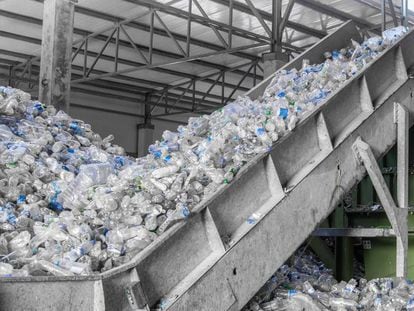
{"x":217,"y":260}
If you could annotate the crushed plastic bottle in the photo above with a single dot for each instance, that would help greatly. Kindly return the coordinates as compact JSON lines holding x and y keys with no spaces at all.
{"x":308,"y":285}
{"x":72,"y":202}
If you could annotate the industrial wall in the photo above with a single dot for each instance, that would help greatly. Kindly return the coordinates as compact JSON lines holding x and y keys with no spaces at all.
{"x":119,"y":123}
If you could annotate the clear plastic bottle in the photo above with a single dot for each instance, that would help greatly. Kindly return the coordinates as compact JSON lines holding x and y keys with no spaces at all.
{"x":74,"y":267}
{"x":340,"y":303}
{"x":115,"y":243}
{"x":273,"y":305}
{"x":410,"y":304}
{"x":19,"y":245}
{"x":44,"y":265}
{"x":5,"y":269}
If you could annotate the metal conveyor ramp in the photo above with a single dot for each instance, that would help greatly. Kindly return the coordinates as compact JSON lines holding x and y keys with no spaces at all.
{"x":217,"y":260}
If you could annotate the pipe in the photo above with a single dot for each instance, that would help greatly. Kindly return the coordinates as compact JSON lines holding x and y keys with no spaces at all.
{"x":404,"y":13}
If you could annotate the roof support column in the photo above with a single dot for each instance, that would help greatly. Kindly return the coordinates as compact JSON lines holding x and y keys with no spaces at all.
{"x":145,"y":130}
{"x":276,"y":44}
{"x":273,"y":62}
{"x":404,"y":13}
{"x":276,"y":58}
{"x":55,"y":65}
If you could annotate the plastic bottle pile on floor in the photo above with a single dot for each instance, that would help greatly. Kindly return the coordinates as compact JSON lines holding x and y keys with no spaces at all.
{"x":73,"y":203}
{"x":308,"y":285}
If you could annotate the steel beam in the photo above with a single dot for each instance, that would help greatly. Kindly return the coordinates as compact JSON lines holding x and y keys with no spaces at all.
{"x":333,"y":12}
{"x":128,"y":62}
{"x":230,"y":33}
{"x":216,"y":32}
{"x":126,"y":78}
{"x":140,"y":89}
{"x":167,"y":71}
{"x":182,"y":14}
{"x":238,"y":84}
{"x":8,"y":61}
{"x":396,"y":216}
{"x":404,"y":13}
{"x":322,"y":250}
{"x":402,"y":155}
{"x":168,"y":54}
{"x":141,"y":26}
{"x":398,"y":10}
{"x":296,"y":26}
{"x":211,"y":75}
{"x":129,"y":88}
{"x":99,"y":55}
{"x":403,"y":125}
{"x":132,"y":95}
{"x":212,"y":23}
{"x":259,"y":17}
{"x":7,"y":76}
{"x":354,"y":232}
{"x":166,"y":63}
{"x":145,"y":130}
{"x":16,"y":54}
{"x":108,"y":86}
{"x":170,"y":35}
{"x":276,"y":26}
{"x":133,"y":99}
{"x":124,"y":43}
{"x":268,"y":16}
{"x":286,"y":16}
{"x":393,"y":15}
{"x":55,"y":66}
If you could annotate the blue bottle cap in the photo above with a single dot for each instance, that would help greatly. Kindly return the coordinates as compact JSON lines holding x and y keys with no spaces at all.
{"x":260,"y":131}
{"x":21,"y":199}
{"x":281,"y":94}
{"x":185,"y":211}
{"x":283,"y":112}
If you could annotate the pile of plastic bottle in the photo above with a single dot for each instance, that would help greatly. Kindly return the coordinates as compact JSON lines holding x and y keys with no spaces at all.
{"x":73,"y":203}
{"x":308,"y":285}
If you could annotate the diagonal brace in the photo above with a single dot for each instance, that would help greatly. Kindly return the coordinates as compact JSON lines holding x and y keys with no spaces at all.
{"x":219,"y":36}
{"x":259,"y":17}
{"x":397,"y":216}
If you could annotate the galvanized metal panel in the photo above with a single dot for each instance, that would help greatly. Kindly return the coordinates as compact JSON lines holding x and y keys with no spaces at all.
{"x":173,"y":260}
{"x":271,"y":241}
{"x":232,"y":208}
{"x":407,"y":47}
{"x":346,"y":110}
{"x":51,"y":295}
{"x":386,"y":75}
{"x":289,"y":156}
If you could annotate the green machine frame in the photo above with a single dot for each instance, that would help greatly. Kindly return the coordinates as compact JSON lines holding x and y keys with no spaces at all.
{"x":361,"y":208}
